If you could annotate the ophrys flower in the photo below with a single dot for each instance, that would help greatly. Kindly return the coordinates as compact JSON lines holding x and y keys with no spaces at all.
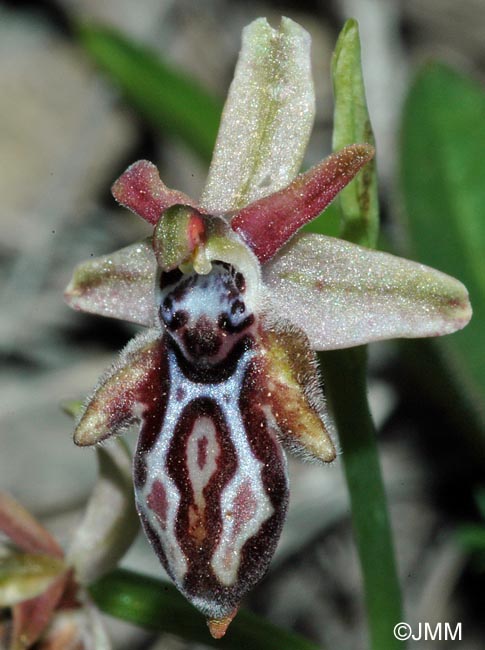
{"x":236,"y":303}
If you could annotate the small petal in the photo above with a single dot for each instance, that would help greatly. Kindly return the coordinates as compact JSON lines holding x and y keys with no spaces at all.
{"x":293,"y":395}
{"x":120,"y":285}
{"x":31,"y":617}
{"x":267,"y":118}
{"x":111,"y":523}
{"x":123,"y":392}
{"x":268,"y":224}
{"x":140,"y":190}
{"x":343,"y":295}
{"x":24,"y":576}
{"x":25,"y":531}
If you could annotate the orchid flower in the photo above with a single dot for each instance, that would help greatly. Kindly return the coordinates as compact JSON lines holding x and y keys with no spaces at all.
{"x":236,"y":303}
{"x":45,"y":588}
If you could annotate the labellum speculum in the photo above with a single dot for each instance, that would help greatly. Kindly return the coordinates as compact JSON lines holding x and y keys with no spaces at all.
{"x":236,"y":305}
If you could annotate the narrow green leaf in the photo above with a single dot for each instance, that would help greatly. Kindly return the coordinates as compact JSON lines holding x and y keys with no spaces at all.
{"x":171,"y":101}
{"x":480,"y":500}
{"x":442,"y":176}
{"x":472,"y":537}
{"x":159,"y":606}
{"x":358,"y":201}
{"x":345,"y":370}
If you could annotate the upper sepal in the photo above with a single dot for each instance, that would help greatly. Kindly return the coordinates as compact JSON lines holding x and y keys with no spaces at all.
{"x":344,"y":295}
{"x":140,"y":190}
{"x":267,"y":118}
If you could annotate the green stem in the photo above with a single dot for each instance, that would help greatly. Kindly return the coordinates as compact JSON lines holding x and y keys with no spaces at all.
{"x":159,"y":606}
{"x":345,"y":374}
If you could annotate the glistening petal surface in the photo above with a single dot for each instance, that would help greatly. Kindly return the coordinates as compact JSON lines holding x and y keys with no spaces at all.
{"x":343,"y":295}
{"x":267,"y":118}
{"x":266,"y":225}
{"x":119,"y":285}
{"x":140,"y":190}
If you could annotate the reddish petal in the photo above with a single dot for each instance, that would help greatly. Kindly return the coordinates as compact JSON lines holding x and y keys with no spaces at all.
{"x":292,"y":393}
{"x":25,"y":531}
{"x":126,"y":390}
{"x":31,"y":617}
{"x":140,"y":190}
{"x":266,"y":225}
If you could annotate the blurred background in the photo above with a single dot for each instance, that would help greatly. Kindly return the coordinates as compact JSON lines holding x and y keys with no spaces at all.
{"x":68,"y":129}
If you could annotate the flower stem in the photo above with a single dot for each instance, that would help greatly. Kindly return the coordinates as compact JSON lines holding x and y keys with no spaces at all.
{"x":345,"y":374}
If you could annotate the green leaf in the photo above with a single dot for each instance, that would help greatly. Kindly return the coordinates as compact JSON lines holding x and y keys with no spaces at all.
{"x":442,"y":176}
{"x":358,"y":201}
{"x":167,"y":98}
{"x":159,"y":606}
{"x":472,"y":537}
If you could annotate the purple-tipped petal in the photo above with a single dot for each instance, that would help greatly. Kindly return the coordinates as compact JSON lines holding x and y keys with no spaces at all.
{"x":25,"y":531}
{"x":266,"y":225}
{"x":119,"y":285}
{"x":140,"y":190}
{"x":343,"y":295}
{"x":125,"y":391}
